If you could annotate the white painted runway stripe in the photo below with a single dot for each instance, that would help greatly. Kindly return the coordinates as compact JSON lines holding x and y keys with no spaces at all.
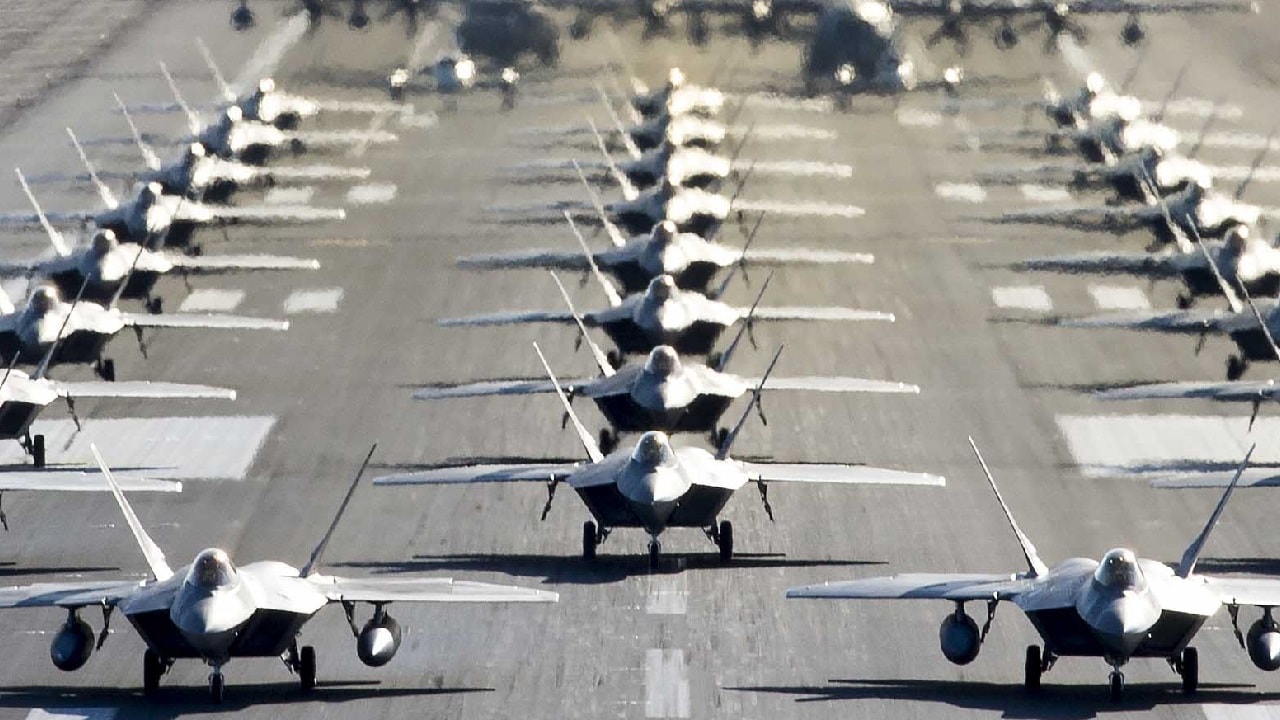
{"x":666,"y":684}
{"x":917,"y":117}
{"x":168,"y":448}
{"x":1022,"y":297}
{"x":668,"y":595}
{"x":1044,"y":194}
{"x":209,"y":300}
{"x":419,"y":121}
{"x":316,"y":300}
{"x":289,"y":195}
{"x":1241,"y":712}
{"x":1115,"y":297}
{"x":371,"y":194}
{"x":99,"y":713}
{"x":1150,"y":446}
{"x":967,"y":192}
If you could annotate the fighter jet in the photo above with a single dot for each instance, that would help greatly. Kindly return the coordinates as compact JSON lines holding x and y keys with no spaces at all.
{"x":656,"y":485}
{"x":108,"y":269}
{"x":676,"y":97}
{"x":1241,"y":257}
{"x":213,"y":611}
{"x":691,"y":260}
{"x":664,"y":393}
{"x":81,"y":330}
{"x":664,"y":314}
{"x":1119,"y":608}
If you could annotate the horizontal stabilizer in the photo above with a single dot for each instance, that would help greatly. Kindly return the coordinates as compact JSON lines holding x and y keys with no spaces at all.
{"x":838,"y":474}
{"x":818,"y":313}
{"x":85,"y":480}
{"x":483,"y":389}
{"x":835,"y":384}
{"x":384,"y":590}
{"x":508,"y":318}
{"x":142,"y":389}
{"x":497,"y":473}
{"x":198,"y":320}
{"x":208,"y":264}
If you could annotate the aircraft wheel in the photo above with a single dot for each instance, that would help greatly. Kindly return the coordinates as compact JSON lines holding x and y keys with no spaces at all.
{"x":608,"y":441}
{"x":725,"y":541}
{"x":655,"y":554}
{"x":1032,"y":669}
{"x":615,"y":359}
{"x":37,"y":450}
{"x":589,"y":540}
{"x":155,"y":305}
{"x":1236,"y":365}
{"x":307,"y":668}
{"x":1117,"y":686}
{"x":1190,"y":670}
{"x":152,"y":669}
{"x":1185,"y":301}
{"x":718,"y":437}
{"x":106,"y":369}
{"x":216,"y":686}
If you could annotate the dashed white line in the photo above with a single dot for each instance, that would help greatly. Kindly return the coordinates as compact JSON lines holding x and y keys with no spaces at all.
{"x":419,"y":121}
{"x":1022,"y":297}
{"x":209,"y":300}
{"x":1114,"y":297}
{"x":666,"y":684}
{"x":1044,"y":194}
{"x":371,"y":194}
{"x":289,"y":195}
{"x":668,"y":595}
{"x":319,"y":300}
{"x":916,"y":117}
{"x":967,"y":192}
{"x":1241,"y":712}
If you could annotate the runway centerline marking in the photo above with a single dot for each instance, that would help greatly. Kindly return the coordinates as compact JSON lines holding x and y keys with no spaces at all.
{"x":211,"y":300}
{"x":1021,"y":297}
{"x":289,"y":195}
{"x":666,"y":684}
{"x":371,"y":194}
{"x":1240,"y":712}
{"x":668,"y":595}
{"x":316,"y":300}
{"x":1149,"y":446}
{"x":965,"y":192}
{"x":1044,"y":193}
{"x":1118,"y":297}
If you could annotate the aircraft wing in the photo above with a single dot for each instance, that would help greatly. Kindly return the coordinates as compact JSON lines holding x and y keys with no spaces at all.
{"x":256,"y":215}
{"x":918,"y":586}
{"x":20,"y":219}
{"x":1252,"y":477}
{"x":804,"y":256}
{"x":59,"y":480}
{"x":527,"y":259}
{"x":508,"y":318}
{"x":1144,"y":264}
{"x":381,"y":590}
{"x":342,"y":138}
{"x":1183,"y":321}
{"x":485,"y":388}
{"x":496,"y":473}
{"x":68,"y":595}
{"x":799,"y":209}
{"x":1225,"y":391}
{"x":833,"y":384}
{"x":142,"y":389}
{"x":817,"y":313}
{"x":832,"y":473}
{"x":1260,"y":592}
{"x":198,"y":320}
{"x":210,"y":264}
{"x":46,"y":266}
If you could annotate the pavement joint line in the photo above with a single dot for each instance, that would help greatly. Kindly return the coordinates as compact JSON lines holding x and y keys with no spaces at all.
{"x":314,"y":300}
{"x":1119,"y":297}
{"x":666,"y":684}
{"x":1022,"y":297}
{"x":212,"y":300}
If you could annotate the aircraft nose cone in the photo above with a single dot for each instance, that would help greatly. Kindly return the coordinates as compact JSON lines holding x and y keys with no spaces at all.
{"x":210,"y":622}
{"x":1124,"y":622}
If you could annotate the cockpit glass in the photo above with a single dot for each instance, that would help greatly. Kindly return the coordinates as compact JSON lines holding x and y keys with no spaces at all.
{"x":653,"y":450}
{"x":1119,"y":570}
{"x":212,"y":569}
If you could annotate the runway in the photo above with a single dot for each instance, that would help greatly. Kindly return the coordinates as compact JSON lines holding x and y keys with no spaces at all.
{"x":694,"y":639}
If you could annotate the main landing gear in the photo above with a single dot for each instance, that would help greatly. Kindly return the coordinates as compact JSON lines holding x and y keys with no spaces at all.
{"x":591,"y":539}
{"x":1036,"y":665}
{"x":1187,"y":665}
{"x":34,"y":445}
{"x":1236,"y":365}
{"x":153,"y":668}
{"x":216,"y":683}
{"x":722,"y":536}
{"x":303,"y":663}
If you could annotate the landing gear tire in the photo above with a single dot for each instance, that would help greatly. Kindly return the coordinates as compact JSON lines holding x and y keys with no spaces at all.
{"x":1032,"y":669}
{"x":608,"y":441}
{"x":152,"y":669}
{"x":1190,"y":671}
{"x":615,"y":359}
{"x":1117,"y":686}
{"x":1185,"y":301}
{"x":725,"y":541}
{"x":1236,"y":365}
{"x":307,"y":668}
{"x":106,"y":369}
{"x":719,"y":436}
{"x":589,"y":540}
{"x":655,"y":554}
{"x":37,"y":450}
{"x":216,"y":686}
{"x":155,"y":306}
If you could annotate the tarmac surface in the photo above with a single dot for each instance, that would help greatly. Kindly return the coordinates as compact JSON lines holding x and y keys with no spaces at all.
{"x":693,"y":639}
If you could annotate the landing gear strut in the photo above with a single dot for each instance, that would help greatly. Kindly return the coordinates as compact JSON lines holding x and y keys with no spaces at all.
{"x":216,"y":684}
{"x":1117,"y":685}
{"x":153,"y":668}
{"x":722,"y":536}
{"x":105,"y":369}
{"x":1032,"y":669}
{"x":655,"y":553}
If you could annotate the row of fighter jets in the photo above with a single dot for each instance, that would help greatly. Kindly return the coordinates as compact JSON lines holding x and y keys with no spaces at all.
{"x":664,"y":275}
{"x":1124,"y":606}
{"x":210,"y":610}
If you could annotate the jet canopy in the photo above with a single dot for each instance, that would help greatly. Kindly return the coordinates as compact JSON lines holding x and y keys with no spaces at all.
{"x":654,"y":450}
{"x":663,"y":361}
{"x":1119,"y":571}
{"x":211,"y":570}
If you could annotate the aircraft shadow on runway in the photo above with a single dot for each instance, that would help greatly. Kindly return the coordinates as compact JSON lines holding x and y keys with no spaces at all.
{"x":1245,"y":566}
{"x":12,"y":569}
{"x":179,"y":700}
{"x":1062,"y":702}
{"x":606,"y":568}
